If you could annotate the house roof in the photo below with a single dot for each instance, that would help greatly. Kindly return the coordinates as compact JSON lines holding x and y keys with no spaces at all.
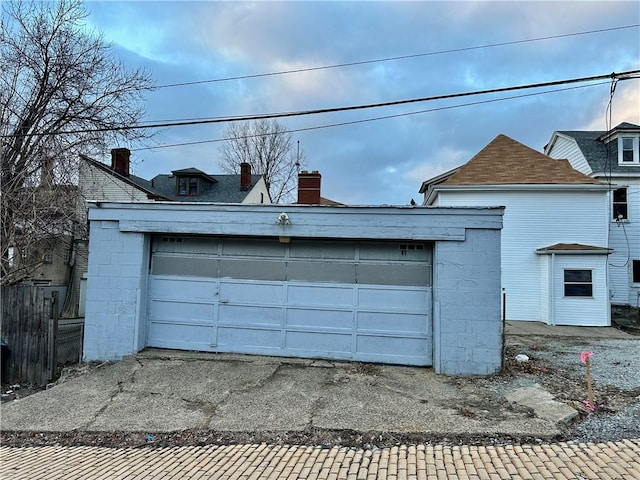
{"x":574,"y":248}
{"x":505,"y":161}
{"x":222,"y":189}
{"x":601,"y":156}
{"x":217,"y":189}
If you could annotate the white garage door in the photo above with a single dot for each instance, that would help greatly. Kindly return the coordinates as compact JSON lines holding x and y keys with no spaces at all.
{"x":365,"y":301}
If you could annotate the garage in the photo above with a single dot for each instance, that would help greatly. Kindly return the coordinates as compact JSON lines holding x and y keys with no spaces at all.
{"x":324,"y":298}
{"x":404,"y":285}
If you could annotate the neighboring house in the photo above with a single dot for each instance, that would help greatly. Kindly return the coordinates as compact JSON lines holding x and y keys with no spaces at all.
{"x":612,"y":157}
{"x":99,"y":181}
{"x":302,"y":280}
{"x":554,"y":239}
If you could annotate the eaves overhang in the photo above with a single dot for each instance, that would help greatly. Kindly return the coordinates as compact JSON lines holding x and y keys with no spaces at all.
{"x":433,"y":191}
{"x":574,"y":249}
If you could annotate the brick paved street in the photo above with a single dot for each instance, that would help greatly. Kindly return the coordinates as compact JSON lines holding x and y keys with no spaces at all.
{"x":619,"y":460}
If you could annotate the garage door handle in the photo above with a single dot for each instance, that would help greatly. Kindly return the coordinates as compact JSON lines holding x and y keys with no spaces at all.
{"x":224,"y":301}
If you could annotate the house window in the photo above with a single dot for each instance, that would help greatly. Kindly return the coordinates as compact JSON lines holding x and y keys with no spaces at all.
{"x":47,"y":257}
{"x":636,"y":271}
{"x":620,"y":206}
{"x":627,"y":150}
{"x":577,"y":283}
{"x":187,"y":186}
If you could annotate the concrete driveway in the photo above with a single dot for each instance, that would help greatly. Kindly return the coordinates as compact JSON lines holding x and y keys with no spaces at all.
{"x":170,"y":391}
{"x":165,"y":391}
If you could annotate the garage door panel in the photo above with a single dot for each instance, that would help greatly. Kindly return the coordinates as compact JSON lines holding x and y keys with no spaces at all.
{"x":181,"y":288}
{"x":181,"y":313}
{"x":183,"y":265}
{"x":250,"y":269}
{"x":320,"y":295}
{"x":403,"y":274}
{"x":392,"y":322}
{"x":321,"y":272}
{"x":248,"y":337}
{"x":316,"y":318}
{"x":173,"y":335}
{"x":250,"y":315}
{"x":318,"y":342}
{"x":251,"y":292}
{"x":385,"y":298}
{"x":388,"y":345}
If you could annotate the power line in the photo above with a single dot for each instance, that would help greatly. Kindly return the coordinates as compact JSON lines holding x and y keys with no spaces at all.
{"x":619,"y":76}
{"x":365,"y":120}
{"x":389,"y":59}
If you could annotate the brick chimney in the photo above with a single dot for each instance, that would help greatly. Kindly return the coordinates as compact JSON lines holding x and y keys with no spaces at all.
{"x":245,"y":176}
{"x":120,"y":160}
{"x":309,"y":187}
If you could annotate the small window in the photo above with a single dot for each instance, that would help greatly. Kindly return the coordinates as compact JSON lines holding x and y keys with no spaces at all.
{"x":47,"y":257}
{"x":578,"y":283}
{"x":188,"y":186}
{"x":620,"y":206}
{"x":636,"y":271}
{"x":627,"y":150}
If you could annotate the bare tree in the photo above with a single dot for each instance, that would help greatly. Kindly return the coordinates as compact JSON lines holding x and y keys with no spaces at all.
{"x":268,"y":147}
{"x":62,"y":93}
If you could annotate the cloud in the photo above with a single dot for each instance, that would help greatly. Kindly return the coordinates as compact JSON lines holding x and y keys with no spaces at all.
{"x":383,"y":161}
{"x":625,"y":108}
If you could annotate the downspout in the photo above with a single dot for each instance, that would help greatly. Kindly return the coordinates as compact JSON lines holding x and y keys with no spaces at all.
{"x":552,"y":298}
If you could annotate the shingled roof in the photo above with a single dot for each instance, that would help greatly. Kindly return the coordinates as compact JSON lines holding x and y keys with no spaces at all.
{"x":222,"y":189}
{"x":505,"y":161}
{"x":601,"y":156}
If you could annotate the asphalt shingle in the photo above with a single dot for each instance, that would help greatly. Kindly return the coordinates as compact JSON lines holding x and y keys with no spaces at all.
{"x":505,"y":161}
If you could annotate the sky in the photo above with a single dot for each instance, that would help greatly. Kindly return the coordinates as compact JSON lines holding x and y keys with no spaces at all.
{"x":381,"y":161}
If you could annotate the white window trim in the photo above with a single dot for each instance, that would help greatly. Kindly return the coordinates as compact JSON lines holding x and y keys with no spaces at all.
{"x":636,"y":150}
{"x":616,"y":220}
{"x":565,"y":283}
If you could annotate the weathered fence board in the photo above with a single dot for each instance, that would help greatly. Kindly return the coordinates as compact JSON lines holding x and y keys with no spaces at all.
{"x":25,"y":328}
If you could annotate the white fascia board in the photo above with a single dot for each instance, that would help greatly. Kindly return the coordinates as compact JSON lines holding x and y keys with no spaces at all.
{"x":612,"y":175}
{"x":519,"y":187}
{"x":554,"y":138}
{"x":545,"y":251}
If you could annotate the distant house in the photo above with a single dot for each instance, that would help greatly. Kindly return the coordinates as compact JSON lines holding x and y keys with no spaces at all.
{"x":99,"y":181}
{"x":554,"y":239}
{"x":612,"y":157}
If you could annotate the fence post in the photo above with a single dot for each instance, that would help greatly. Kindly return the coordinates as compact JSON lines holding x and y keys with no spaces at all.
{"x":53,"y":338}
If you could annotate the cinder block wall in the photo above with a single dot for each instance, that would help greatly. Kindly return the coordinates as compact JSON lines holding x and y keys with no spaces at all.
{"x":467,"y":320}
{"x":116,"y":277}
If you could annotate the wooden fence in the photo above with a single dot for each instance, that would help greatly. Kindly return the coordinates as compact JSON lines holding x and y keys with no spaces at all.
{"x":29,"y":321}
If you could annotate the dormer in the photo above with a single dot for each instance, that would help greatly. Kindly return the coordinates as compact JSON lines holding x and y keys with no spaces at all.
{"x":625,"y":140}
{"x":191,"y":182}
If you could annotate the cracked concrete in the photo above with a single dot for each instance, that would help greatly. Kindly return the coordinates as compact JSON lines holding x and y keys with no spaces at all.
{"x":162,"y":391}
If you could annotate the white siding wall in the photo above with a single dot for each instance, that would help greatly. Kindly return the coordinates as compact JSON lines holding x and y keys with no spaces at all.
{"x":625,"y":240}
{"x":566,"y":148}
{"x":98,"y":185}
{"x":535,"y":219}
{"x":258,"y":194}
{"x":591,"y":311}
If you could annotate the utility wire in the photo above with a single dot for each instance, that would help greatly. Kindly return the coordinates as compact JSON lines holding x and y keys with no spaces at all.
{"x":365,"y":120}
{"x":619,"y":76}
{"x":389,"y":59}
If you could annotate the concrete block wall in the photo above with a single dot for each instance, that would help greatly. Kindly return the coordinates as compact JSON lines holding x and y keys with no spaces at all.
{"x":116,"y":274}
{"x":467,"y":318}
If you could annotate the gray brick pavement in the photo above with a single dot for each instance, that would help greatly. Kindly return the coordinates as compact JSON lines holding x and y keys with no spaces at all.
{"x":561,"y":461}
